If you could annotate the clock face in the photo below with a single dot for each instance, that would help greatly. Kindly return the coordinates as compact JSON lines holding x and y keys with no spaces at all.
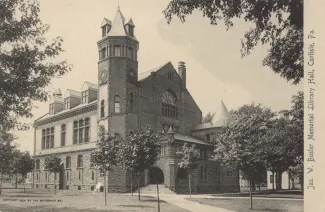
{"x":103,"y":75}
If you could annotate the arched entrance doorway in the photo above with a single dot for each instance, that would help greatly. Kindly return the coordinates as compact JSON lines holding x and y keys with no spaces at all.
{"x":156,"y":175}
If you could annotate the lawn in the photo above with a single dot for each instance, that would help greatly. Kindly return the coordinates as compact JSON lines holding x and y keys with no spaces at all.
{"x":259,"y":205}
{"x":42,"y":200}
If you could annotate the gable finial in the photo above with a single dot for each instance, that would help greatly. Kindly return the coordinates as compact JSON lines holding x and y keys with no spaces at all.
{"x":118,"y":4}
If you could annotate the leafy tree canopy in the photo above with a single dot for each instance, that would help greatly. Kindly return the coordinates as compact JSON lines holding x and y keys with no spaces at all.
{"x":208,"y":118}
{"x":139,"y":151}
{"x":190,"y":159}
{"x":277,"y":23}
{"x":239,"y":144}
{"x":24,"y":163}
{"x":53,"y":164}
{"x":105,"y":156}
{"x":28,"y":61}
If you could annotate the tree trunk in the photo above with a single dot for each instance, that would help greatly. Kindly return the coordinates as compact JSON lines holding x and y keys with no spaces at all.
{"x":139,"y":185}
{"x":273,"y":180}
{"x":253,"y":185}
{"x":54,"y":183}
{"x":1,"y":183}
{"x":158,"y":195}
{"x":131,"y":184}
{"x":250,"y":194}
{"x":24,"y":182}
{"x":105,"y":187}
{"x":16,"y":183}
{"x":189,"y":183}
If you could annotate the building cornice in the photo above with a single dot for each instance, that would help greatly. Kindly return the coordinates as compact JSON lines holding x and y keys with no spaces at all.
{"x":68,"y":114}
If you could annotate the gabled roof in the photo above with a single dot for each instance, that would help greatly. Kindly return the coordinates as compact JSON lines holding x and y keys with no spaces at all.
{"x":70,"y":92}
{"x":105,"y":22}
{"x":190,"y":139}
{"x":145,"y":75}
{"x":118,"y":28}
{"x":130,"y":22}
{"x":88,"y":85}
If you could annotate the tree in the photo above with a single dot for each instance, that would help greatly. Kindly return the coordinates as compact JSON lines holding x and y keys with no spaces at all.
{"x":296,"y":116}
{"x":189,"y":162}
{"x":54,"y":165}
{"x":139,"y":151}
{"x":6,"y":154}
{"x":27,"y":60}
{"x":239,"y":143}
{"x":105,"y":155}
{"x":277,"y":23}
{"x":23,"y":165}
{"x":208,"y":118}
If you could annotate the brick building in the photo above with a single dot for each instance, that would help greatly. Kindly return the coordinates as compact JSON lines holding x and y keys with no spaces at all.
{"x":124,"y":100}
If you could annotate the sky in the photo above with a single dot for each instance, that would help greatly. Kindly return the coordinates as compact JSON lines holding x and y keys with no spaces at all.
{"x":215,"y":69}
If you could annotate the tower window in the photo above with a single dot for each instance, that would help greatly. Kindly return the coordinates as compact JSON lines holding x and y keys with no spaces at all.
{"x":63,"y":132}
{"x":131,"y":102}
{"x":130,"y":53}
{"x":52,"y":108}
{"x":117,"y":51}
{"x":102,"y":108}
{"x":103,"y":53}
{"x":117,"y":104}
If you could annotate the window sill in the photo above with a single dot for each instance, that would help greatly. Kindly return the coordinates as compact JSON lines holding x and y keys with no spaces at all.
{"x":80,"y":167}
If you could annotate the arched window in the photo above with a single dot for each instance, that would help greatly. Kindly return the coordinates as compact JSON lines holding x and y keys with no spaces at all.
{"x":67,"y":175}
{"x":37,"y":164}
{"x":102,"y":108}
{"x":63,"y":132}
{"x":103,"y":53}
{"x":80,"y":161}
{"x":131,"y":102}
{"x":68,"y":162}
{"x":169,"y":104}
{"x":117,"y":104}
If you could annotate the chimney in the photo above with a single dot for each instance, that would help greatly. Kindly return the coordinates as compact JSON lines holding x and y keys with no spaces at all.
{"x":182,"y":73}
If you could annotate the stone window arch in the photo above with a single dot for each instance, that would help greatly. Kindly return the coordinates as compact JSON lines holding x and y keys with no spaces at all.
{"x":169,"y":104}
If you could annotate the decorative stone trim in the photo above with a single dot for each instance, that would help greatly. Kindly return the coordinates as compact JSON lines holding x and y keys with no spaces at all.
{"x":68,"y":114}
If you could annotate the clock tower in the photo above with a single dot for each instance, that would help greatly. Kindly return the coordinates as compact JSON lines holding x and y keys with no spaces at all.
{"x":118,"y":75}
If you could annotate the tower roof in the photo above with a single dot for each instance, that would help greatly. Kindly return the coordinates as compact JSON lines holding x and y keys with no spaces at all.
{"x":221,"y":115}
{"x":118,"y":28}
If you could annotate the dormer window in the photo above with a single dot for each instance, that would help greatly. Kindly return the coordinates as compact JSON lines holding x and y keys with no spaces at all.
{"x":67,"y":103}
{"x":131,"y":31}
{"x":104,"y":30}
{"x":84,"y":97}
{"x":52,"y":108}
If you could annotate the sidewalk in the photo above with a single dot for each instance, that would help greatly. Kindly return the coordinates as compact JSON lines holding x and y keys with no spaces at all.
{"x":180,"y":201}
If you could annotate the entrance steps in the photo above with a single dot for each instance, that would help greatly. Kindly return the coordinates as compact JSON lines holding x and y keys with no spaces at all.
{"x":152,"y":189}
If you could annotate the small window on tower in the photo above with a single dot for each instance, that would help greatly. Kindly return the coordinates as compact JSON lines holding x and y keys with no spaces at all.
{"x":170,"y":75}
{"x":117,"y":104}
{"x":117,"y":51}
{"x":103,"y":53}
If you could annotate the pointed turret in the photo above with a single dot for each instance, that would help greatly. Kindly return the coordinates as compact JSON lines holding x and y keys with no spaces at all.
{"x":118,"y":28}
{"x":221,"y":115}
